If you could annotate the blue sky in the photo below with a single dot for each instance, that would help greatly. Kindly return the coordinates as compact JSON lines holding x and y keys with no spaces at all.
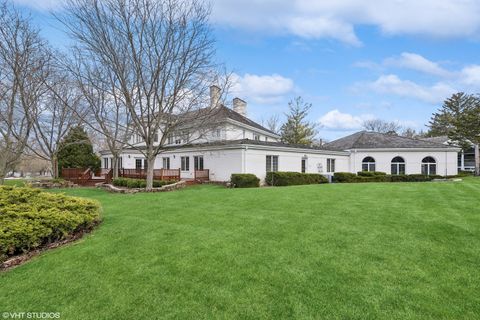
{"x":352,"y":59}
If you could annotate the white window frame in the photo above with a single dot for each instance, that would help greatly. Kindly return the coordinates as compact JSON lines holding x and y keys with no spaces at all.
{"x":185,"y":163}
{"x":331,"y":165}
{"x":369,"y":164}
{"x":166,"y":163}
{"x":271,"y":163}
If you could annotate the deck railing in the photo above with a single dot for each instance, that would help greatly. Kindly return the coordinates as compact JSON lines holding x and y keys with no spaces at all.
{"x":202,"y":175}
{"x":77,"y":175}
{"x":158,"y":174}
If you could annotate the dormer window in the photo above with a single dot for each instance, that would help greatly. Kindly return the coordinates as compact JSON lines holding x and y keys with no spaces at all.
{"x":170,"y":139}
{"x":256,"y":137}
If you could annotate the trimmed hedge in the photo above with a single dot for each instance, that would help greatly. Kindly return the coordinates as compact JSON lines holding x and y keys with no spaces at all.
{"x":371,"y":173}
{"x":31,"y":218}
{"x":244,"y":180}
{"x":347,"y":177}
{"x":138,"y":183}
{"x":293,"y":178}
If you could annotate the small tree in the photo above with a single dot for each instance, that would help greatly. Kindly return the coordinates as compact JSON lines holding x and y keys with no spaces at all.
{"x":297,"y":130}
{"x":76,"y":151}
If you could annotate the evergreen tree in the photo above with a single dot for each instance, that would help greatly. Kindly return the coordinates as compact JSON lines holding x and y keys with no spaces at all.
{"x":76,"y":151}
{"x":459,"y":118}
{"x":297,"y":130}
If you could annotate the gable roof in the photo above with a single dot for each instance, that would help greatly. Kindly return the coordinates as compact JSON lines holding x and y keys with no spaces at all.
{"x":375,"y":140}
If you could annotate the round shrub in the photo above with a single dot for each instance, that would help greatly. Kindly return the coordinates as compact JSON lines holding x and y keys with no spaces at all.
{"x":244,"y":180}
{"x":31,"y":218}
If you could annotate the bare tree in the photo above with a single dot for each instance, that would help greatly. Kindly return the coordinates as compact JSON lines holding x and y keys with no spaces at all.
{"x":382,"y":126}
{"x":160,"y":55}
{"x":60,"y":110}
{"x":23,"y":68}
{"x":108,"y":113}
{"x":273,"y":123}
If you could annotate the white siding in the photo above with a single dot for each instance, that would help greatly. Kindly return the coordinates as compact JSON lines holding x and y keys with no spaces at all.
{"x":292,"y":161}
{"x":446,"y":160}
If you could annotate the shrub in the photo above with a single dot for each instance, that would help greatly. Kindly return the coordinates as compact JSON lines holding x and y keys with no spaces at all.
{"x":30,"y":218}
{"x":293,"y":178}
{"x":138,"y":183}
{"x":244,"y":180}
{"x":371,"y":173}
{"x":344,"y":176}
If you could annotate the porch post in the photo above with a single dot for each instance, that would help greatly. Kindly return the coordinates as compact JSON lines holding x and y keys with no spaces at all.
{"x":462,"y":161}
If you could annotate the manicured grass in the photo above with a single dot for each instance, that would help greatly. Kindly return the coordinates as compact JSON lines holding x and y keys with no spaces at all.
{"x":344,"y":251}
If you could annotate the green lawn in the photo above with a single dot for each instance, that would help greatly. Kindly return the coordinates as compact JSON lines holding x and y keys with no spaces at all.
{"x":341,"y":251}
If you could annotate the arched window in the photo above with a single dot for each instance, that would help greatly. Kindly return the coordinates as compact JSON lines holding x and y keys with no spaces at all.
{"x":429,"y":166}
{"x":398,"y":166}
{"x":368,"y":164}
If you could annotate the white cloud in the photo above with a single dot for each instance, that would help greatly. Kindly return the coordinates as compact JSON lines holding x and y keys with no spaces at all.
{"x":417,"y":62}
{"x":338,"y":19}
{"x":265,"y":89}
{"x":392,"y":84}
{"x":470,"y":76}
{"x":336,"y":120}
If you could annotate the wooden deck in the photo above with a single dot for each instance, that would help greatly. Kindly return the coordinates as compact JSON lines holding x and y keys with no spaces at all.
{"x":86,"y":177}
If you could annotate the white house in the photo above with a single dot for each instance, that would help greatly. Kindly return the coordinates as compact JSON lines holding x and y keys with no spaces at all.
{"x":237,"y":144}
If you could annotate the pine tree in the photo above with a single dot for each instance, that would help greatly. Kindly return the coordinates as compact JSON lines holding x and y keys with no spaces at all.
{"x":297,"y":130}
{"x":76,"y":151}
{"x":459,"y":118}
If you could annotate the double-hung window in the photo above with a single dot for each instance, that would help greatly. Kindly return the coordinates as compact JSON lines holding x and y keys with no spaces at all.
{"x":304,"y":165}
{"x":198,"y":162}
{"x":166,"y":163}
{"x":272,"y":163}
{"x":185,"y":163}
{"x":330,"y":165}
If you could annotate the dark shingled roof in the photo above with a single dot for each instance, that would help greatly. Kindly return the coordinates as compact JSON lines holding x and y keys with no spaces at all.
{"x":374,"y":140}
{"x":222,"y":113}
{"x":441,"y":139}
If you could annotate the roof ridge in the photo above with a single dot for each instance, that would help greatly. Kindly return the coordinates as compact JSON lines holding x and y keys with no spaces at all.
{"x":414,"y":139}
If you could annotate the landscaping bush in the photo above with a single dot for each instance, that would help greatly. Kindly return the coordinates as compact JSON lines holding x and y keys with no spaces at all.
{"x":371,"y":173}
{"x":30,"y":218}
{"x":345,"y":177}
{"x":293,"y":178}
{"x":138,"y":183}
{"x":244,"y":180}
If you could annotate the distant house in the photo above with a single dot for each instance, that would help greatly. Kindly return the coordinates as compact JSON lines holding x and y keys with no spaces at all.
{"x":239,"y":145}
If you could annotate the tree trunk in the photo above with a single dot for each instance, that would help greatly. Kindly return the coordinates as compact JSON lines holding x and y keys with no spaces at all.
{"x":3,"y":170}
{"x":150,"y":164}
{"x":115,"y":165}
{"x":477,"y":160}
{"x":55,"y":171}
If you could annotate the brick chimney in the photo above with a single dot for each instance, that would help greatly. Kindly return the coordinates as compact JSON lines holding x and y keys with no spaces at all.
{"x":215,"y":94}
{"x":240,"y":106}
